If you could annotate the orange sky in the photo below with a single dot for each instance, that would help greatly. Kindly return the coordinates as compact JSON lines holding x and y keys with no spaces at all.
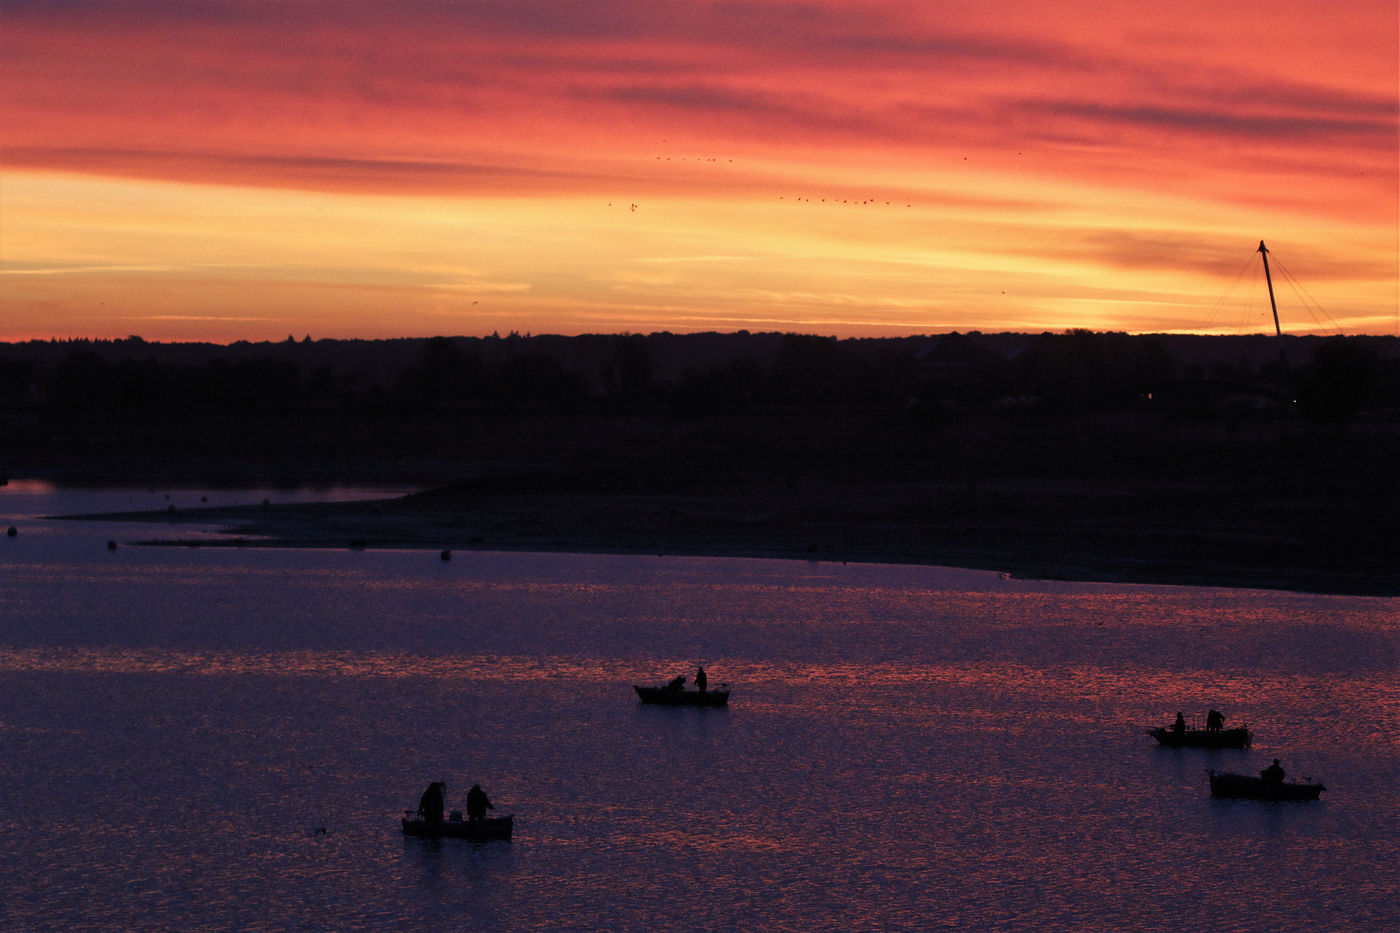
{"x":249,"y":170}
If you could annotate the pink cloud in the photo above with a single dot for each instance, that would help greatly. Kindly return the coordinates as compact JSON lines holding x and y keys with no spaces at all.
{"x":431,"y":81}
{"x":1015,"y":109}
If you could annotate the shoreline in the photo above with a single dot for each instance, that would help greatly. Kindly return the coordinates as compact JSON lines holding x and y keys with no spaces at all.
{"x":445,"y":521}
{"x":1110,"y":497}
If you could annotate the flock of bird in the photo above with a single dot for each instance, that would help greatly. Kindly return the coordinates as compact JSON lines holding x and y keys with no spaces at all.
{"x":856,"y":202}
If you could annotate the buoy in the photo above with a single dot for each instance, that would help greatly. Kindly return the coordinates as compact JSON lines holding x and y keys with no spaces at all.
{"x":446,"y":555}
{"x":11,"y":531}
{"x":111,"y":545}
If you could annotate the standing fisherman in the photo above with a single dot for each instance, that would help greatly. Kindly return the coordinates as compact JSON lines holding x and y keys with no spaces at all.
{"x":477,"y":803}
{"x":431,"y":803}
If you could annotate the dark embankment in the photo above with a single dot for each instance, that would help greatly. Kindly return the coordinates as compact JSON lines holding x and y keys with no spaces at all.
{"x":1123,"y":497}
{"x":1076,"y":455}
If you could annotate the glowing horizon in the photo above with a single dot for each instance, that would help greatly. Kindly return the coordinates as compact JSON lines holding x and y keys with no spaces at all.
{"x":243,"y":171}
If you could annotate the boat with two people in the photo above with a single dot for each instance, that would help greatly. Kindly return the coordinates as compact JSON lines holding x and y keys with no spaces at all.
{"x":454,"y":827}
{"x":1214,"y":735}
{"x":427,"y":821}
{"x":673,"y":693}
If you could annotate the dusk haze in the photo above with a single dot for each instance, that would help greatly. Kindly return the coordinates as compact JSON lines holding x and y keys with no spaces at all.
{"x":222,"y":171}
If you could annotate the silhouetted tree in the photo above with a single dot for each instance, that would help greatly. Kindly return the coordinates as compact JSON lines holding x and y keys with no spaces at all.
{"x":81,"y":383}
{"x":627,"y":377}
{"x":1340,"y":380}
{"x":16,"y":379}
{"x":536,"y":380}
{"x":446,"y":374}
{"x":811,"y":371}
{"x":726,"y":389}
{"x":1066,"y":370}
{"x":267,"y":385}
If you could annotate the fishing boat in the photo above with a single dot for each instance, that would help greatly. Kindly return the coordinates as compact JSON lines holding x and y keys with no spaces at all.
{"x":454,"y":827}
{"x":1226,"y":784}
{"x":670,"y":696}
{"x":1202,"y":738}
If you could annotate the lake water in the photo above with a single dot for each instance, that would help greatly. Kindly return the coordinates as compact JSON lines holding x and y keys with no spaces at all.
{"x":224,"y":739}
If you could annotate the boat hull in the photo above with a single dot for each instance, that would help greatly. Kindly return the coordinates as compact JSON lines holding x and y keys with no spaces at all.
{"x":1242,"y":786}
{"x":1204,"y":738}
{"x":500,"y":827}
{"x":661,"y":696}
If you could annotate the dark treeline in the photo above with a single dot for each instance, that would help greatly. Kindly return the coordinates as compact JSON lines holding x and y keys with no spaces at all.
{"x":1153,"y":457}
{"x":1323,"y":379}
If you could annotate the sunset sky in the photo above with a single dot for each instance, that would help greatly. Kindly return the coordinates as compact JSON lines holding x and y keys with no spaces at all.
{"x":253,"y":170}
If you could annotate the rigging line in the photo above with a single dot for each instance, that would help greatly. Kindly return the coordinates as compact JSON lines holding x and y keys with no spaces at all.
{"x":1307,"y":300}
{"x":1220,"y":302}
{"x":1254,"y":308}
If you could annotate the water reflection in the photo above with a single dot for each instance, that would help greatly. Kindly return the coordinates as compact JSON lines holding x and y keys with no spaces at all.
{"x":904,"y":748}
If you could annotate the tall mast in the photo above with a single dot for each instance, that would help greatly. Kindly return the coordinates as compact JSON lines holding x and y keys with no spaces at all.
{"x":1278,"y":331}
{"x":1264,"y":252}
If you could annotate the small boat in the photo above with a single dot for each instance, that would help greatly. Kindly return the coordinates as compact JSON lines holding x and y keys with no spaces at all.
{"x":1202,"y":738}
{"x":499,"y":827}
{"x":1225,"y":784}
{"x":667,"y":696}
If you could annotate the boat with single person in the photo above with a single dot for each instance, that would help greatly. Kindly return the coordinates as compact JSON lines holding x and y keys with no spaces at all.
{"x":454,"y":827}
{"x":674,"y":696}
{"x":1227,"y":784}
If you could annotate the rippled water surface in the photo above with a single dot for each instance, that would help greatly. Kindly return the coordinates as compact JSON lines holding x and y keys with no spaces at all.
{"x":223,"y":739}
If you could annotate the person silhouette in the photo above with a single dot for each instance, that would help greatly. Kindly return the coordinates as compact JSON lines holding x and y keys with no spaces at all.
{"x":1179,"y":726}
{"x":1214,"y":721}
{"x":701,"y":681}
{"x":431,"y":803}
{"x":1273,"y":774}
{"x":478,"y":803}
